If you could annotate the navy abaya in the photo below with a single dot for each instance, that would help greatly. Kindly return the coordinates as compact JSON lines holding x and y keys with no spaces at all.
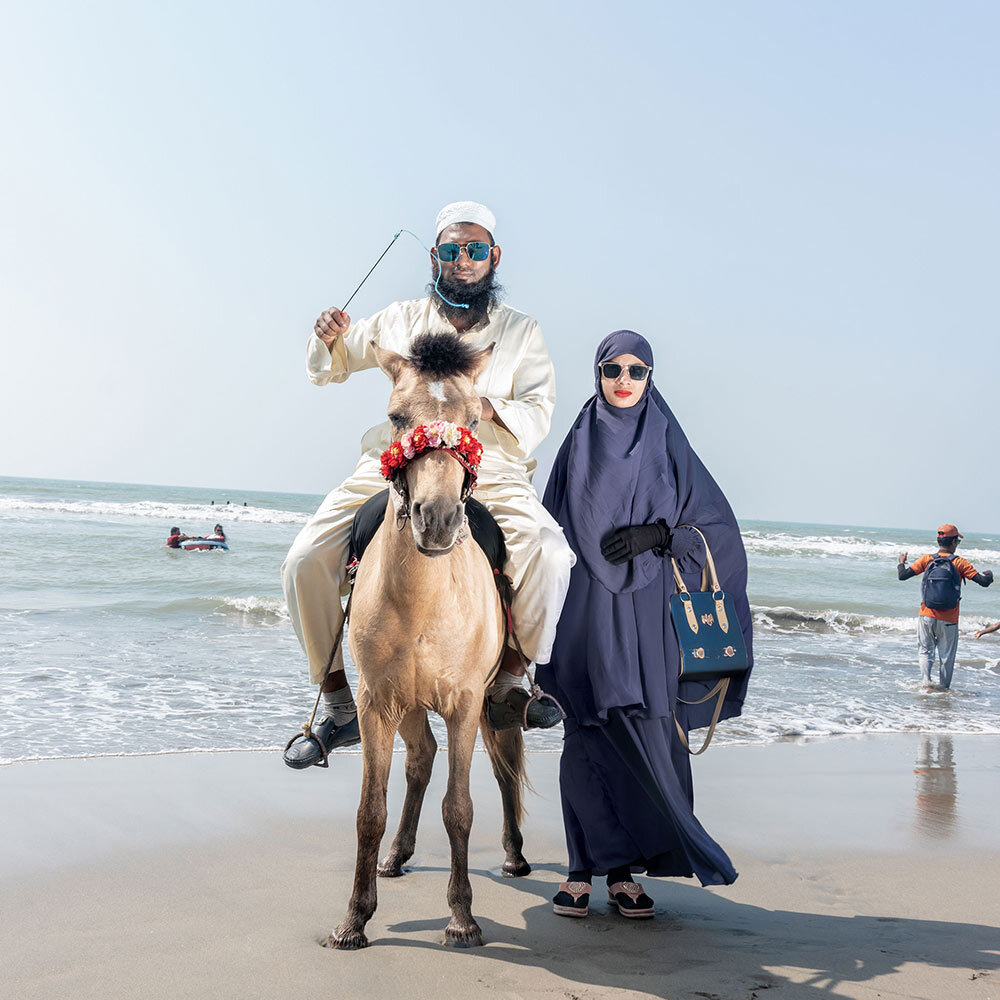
{"x":625,"y":777}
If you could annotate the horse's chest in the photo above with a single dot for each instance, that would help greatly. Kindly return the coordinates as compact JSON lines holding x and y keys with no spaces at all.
{"x":436,"y":667}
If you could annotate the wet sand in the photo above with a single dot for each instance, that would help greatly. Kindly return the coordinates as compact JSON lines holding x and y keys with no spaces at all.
{"x":868,"y":868}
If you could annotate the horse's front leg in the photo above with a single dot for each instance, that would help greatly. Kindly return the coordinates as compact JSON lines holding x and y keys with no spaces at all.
{"x":376,"y":745}
{"x":462,"y":931}
{"x":420,"y":752}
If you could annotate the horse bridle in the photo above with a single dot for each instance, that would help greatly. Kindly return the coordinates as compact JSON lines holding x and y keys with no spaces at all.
{"x":398,"y":483}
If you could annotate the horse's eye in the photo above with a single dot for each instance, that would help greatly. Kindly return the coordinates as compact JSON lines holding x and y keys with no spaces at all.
{"x":396,"y":419}
{"x":473,"y":425}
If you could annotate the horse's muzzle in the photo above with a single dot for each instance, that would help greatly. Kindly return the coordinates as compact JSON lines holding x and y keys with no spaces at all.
{"x":436,"y":525}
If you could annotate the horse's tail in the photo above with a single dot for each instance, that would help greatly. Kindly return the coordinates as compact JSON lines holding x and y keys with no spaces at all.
{"x":506,"y":750}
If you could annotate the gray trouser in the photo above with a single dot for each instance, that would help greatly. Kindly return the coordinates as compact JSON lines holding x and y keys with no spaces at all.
{"x":932,"y":635}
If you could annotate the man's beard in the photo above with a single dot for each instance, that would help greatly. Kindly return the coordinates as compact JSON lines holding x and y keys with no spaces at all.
{"x":480,"y":296}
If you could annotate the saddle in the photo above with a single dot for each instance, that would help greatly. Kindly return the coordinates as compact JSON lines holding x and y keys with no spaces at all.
{"x":489,"y":537}
{"x":484,"y":530}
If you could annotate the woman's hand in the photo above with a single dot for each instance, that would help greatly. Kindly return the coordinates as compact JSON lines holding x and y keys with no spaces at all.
{"x":683,"y":541}
{"x":624,"y":544}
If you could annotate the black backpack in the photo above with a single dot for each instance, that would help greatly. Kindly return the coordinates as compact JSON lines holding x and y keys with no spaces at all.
{"x":942,"y":584}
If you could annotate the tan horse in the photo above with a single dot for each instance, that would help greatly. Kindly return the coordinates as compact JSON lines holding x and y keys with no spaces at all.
{"x":425,"y":632}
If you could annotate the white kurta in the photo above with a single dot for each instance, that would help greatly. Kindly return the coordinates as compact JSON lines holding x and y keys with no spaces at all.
{"x":519,"y":381}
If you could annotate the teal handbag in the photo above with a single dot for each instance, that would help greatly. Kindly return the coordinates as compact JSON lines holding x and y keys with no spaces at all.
{"x":709,"y":638}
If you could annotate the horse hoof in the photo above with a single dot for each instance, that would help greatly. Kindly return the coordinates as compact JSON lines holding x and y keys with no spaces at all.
{"x":468,"y":937}
{"x":390,"y":869}
{"x":347,"y":940}
{"x":515,"y":869}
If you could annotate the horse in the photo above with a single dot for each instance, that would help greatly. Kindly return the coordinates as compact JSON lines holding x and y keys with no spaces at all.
{"x":426,"y":632}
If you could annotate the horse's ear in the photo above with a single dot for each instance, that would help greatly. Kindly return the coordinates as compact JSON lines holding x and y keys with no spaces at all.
{"x":481,"y":360}
{"x":389,"y":361}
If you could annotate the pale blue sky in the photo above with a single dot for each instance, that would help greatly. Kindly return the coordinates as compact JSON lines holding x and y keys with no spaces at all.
{"x":797,"y":203}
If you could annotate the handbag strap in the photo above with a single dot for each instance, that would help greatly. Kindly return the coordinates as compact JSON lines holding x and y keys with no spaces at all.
{"x":708,"y":575}
{"x":721,"y":688}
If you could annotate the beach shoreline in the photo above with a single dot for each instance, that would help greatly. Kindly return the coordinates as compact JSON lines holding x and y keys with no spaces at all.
{"x":861,"y":866}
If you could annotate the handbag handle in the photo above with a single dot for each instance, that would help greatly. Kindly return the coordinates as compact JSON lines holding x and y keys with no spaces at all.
{"x":708,"y":573}
{"x":709,"y":564}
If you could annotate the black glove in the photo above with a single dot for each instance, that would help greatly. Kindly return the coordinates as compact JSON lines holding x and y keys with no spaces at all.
{"x":683,"y":541}
{"x":624,"y":544}
{"x":988,"y":576}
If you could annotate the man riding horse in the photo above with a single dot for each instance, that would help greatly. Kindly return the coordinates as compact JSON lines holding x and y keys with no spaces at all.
{"x":517,"y":389}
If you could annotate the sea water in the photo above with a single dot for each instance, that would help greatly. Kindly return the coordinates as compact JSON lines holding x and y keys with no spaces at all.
{"x":111,"y":643}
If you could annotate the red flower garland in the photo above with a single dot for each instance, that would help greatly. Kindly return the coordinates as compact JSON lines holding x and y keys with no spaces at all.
{"x":431,"y":437}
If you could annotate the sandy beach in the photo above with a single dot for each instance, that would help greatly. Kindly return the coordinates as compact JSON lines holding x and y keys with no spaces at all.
{"x":867,"y":869}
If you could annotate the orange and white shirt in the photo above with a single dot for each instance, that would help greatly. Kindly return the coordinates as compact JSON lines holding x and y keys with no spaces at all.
{"x":965,"y":570}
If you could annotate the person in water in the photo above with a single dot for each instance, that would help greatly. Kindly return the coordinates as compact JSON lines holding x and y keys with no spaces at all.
{"x":623,"y":485}
{"x":175,"y":538}
{"x":517,"y":389}
{"x":941,"y":594}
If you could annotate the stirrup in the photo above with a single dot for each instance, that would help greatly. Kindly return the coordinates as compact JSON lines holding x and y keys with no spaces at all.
{"x":308,"y":734}
{"x":537,"y":694}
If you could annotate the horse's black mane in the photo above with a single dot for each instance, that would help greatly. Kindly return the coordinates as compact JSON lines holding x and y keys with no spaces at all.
{"x":442,"y":354}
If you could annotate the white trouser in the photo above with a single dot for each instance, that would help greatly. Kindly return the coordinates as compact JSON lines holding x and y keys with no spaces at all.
{"x":314,"y":573}
{"x":941,"y":637}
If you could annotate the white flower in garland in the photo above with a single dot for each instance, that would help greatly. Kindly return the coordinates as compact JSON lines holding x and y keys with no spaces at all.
{"x":428,"y":437}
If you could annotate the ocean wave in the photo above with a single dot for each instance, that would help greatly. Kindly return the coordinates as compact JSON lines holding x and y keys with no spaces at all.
{"x":889,"y":701}
{"x":846,"y":546}
{"x":784,"y":620}
{"x":777,"y":729}
{"x":756,"y":541}
{"x":252,"y":609}
{"x":830,"y":621}
{"x":266,"y":609}
{"x":156,"y":509}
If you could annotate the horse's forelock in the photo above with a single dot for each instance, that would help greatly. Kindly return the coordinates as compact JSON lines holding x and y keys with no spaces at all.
{"x":440,"y":355}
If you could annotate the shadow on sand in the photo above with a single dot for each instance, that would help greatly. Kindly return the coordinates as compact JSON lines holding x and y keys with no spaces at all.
{"x":703,"y":945}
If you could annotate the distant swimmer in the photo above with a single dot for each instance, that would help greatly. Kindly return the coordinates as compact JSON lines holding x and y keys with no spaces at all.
{"x":941,"y":592}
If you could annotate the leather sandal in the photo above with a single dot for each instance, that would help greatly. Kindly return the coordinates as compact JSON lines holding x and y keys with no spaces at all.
{"x":631,"y":900}
{"x":572,"y":899}
{"x":313,"y":750}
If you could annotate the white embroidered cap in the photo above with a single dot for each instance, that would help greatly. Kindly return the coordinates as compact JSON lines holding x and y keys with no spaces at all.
{"x":465,"y":211}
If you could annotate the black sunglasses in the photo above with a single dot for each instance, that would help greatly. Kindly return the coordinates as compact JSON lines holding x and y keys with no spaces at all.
{"x":611,"y":369}
{"x":450,"y":252}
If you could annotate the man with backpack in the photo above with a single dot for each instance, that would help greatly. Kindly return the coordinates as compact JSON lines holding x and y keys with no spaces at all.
{"x":941,"y":592}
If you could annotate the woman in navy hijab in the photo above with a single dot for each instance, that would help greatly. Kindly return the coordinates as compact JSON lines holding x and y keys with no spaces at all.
{"x":623,"y":483}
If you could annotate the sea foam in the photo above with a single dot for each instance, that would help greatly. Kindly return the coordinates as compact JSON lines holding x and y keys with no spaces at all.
{"x":152,"y":509}
{"x":849,"y":546}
